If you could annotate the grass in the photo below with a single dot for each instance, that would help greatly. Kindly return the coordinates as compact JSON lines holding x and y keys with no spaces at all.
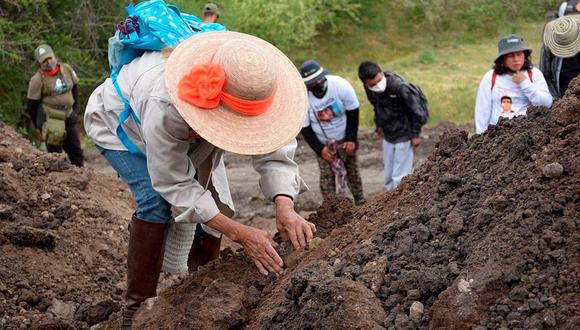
{"x":449,"y":75}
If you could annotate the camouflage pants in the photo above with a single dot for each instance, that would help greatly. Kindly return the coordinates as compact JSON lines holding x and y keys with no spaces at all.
{"x":327,"y":184}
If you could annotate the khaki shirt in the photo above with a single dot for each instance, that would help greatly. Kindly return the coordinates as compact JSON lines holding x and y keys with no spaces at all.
{"x":49,"y":92}
{"x":172,"y":157}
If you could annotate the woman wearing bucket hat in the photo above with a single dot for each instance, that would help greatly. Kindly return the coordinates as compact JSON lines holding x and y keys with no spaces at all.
{"x":560,"y":55}
{"x":513,"y":76}
{"x":216,"y":92}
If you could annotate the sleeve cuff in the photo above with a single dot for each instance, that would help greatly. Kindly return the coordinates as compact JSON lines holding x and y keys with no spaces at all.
{"x":280,"y":184}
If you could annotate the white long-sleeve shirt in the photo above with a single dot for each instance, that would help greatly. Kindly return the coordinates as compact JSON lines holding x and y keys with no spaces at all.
{"x":488,"y":107}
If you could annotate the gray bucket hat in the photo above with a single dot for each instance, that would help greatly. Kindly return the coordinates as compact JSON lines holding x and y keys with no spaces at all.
{"x":511,"y":44}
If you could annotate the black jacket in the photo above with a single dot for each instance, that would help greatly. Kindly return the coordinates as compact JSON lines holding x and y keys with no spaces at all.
{"x":396,"y":110}
{"x":558,"y":71}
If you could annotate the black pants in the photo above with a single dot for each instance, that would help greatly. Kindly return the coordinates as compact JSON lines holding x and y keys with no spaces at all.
{"x":71,"y":144}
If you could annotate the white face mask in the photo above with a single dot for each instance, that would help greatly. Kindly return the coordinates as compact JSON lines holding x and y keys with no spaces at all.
{"x":380,"y":86}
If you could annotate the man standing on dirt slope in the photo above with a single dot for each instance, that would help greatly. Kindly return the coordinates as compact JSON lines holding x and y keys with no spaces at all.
{"x":560,"y":54}
{"x":398,"y":119}
{"x":331,"y":128}
{"x":214,"y":92}
{"x":52,"y":104}
{"x":513,"y":75}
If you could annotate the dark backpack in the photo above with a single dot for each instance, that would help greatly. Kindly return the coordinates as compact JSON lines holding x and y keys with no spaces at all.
{"x":393,"y":88}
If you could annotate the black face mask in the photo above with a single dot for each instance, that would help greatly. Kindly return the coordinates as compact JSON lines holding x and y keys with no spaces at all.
{"x":319,"y":90}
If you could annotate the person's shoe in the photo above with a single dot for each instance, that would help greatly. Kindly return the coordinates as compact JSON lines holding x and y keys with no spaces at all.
{"x":144,"y":261}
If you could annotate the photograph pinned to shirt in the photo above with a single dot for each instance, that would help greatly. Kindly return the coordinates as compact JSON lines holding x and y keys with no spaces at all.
{"x":506,"y":104}
{"x":329,"y":113}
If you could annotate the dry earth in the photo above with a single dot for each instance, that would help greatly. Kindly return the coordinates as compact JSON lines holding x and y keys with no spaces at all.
{"x":483,"y":235}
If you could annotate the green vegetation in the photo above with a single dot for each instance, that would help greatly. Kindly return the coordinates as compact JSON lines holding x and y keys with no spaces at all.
{"x":77,"y":31}
{"x":443,"y":45}
{"x":286,"y":24}
{"x":446,"y":51}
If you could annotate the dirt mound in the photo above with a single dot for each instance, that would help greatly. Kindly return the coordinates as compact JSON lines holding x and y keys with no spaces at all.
{"x":62,"y":240}
{"x":484,"y":235}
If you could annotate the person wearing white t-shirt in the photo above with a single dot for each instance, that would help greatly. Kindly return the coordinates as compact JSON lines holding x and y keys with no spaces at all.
{"x":514,"y":76}
{"x":333,"y":115}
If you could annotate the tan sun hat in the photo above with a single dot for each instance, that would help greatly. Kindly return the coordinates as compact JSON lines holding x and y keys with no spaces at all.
{"x":562,"y":36}
{"x":254,"y":70}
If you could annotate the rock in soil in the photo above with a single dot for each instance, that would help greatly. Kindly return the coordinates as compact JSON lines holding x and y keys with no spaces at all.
{"x":553,"y":170}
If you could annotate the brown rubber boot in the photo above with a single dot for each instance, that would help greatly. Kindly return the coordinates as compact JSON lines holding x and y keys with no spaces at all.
{"x":144,"y":261}
{"x":204,"y":249}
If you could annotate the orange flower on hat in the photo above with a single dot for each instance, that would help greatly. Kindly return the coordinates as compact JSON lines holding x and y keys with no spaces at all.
{"x":203,"y":85}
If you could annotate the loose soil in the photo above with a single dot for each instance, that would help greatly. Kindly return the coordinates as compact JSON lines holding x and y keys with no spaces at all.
{"x":63,"y":230}
{"x":483,"y":235}
{"x":62,"y":240}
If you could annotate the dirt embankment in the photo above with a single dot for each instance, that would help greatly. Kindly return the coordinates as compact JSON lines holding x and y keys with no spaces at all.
{"x":484,"y":235}
{"x":62,"y":240}
{"x":63,"y":230}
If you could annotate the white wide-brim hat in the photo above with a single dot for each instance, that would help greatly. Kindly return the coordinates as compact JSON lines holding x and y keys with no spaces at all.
{"x":250,"y":64}
{"x":562,"y":36}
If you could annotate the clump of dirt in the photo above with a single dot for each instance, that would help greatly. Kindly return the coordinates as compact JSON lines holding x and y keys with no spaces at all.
{"x":333,"y":213}
{"x":62,"y":240}
{"x":484,"y":235}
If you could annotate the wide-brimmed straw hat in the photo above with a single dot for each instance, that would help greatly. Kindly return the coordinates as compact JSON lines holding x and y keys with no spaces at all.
{"x":511,"y":44}
{"x":562,"y":36}
{"x":257,"y":75}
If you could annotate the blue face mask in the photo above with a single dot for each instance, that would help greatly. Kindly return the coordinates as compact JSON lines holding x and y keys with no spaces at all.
{"x":50,"y":65}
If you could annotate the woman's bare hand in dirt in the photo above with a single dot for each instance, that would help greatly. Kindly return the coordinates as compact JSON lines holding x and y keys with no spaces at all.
{"x":326,"y":154}
{"x":291,"y":225}
{"x":261,"y":248}
{"x":257,"y":244}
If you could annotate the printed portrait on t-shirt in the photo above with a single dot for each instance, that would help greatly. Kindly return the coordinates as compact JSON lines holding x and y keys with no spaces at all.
{"x":325,"y":115}
{"x":506,"y":104}
{"x":328,"y":113}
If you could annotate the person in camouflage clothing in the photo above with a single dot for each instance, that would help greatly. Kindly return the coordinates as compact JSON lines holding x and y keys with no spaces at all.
{"x":52,"y":104}
{"x":330,"y":129}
